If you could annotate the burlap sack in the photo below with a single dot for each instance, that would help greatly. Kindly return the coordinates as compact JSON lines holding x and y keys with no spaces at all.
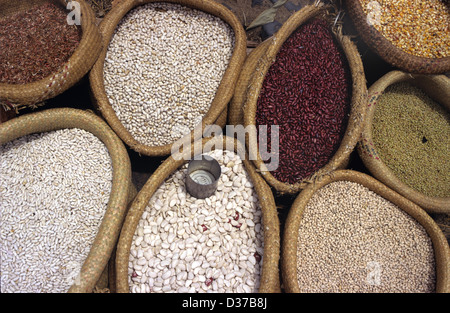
{"x":388,"y":51}
{"x":18,"y":96}
{"x":294,"y":219}
{"x":269,"y":273}
{"x":122,"y":191}
{"x":219,"y":107}
{"x":245,"y":102}
{"x":435,"y":86}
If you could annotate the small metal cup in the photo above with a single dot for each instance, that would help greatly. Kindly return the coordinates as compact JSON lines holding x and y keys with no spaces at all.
{"x":202,"y":177}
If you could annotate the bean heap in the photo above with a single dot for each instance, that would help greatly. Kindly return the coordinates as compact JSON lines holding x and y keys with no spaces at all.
{"x":163,"y":67}
{"x":307,"y":93}
{"x":54,"y":191}
{"x":419,"y":28}
{"x":352,"y":240}
{"x":411,"y":135}
{"x":35,"y":43}
{"x":184,"y":244}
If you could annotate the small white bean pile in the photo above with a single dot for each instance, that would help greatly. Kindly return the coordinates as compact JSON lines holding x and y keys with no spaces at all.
{"x":183,"y":244}
{"x":54,"y":191}
{"x":163,"y":67}
{"x":353,"y":240}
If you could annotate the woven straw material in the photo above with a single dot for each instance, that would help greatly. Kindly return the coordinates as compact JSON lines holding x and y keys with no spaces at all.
{"x":270,"y":281}
{"x":224,"y":92}
{"x":436,"y":87}
{"x":122,"y":190}
{"x":388,"y":51}
{"x":19,"y":96}
{"x":236,"y":110}
{"x":358,"y":98}
{"x":290,"y":236}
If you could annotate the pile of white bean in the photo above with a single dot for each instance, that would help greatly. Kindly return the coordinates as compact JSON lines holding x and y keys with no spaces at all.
{"x":353,"y":240}
{"x":54,"y":191}
{"x":163,"y":66}
{"x":184,"y":244}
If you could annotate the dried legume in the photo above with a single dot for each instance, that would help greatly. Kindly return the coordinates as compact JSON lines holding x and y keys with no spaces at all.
{"x":352,"y":240}
{"x":54,"y":191}
{"x":420,"y":28}
{"x":163,"y":67}
{"x":411,"y":133}
{"x":307,"y":93}
{"x":184,"y":244}
{"x":35,"y":43}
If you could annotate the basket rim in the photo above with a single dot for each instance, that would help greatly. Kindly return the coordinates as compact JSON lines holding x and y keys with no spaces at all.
{"x":235,"y":109}
{"x":289,"y":245}
{"x":223,"y":95}
{"x":390,"y":52}
{"x":373,"y":161}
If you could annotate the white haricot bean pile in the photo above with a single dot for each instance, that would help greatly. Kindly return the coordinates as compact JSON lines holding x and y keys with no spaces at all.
{"x":353,"y":240}
{"x":183,"y":244}
{"x":163,"y":67}
{"x":54,"y":191}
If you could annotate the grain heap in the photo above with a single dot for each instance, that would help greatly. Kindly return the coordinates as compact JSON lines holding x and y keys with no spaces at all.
{"x":184,"y":244}
{"x":353,"y":240}
{"x":420,"y":28}
{"x":307,"y":92}
{"x":54,"y":188}
{"x":163,"y":67}
{"x":411,"y":135}
{"x":35,"y":43}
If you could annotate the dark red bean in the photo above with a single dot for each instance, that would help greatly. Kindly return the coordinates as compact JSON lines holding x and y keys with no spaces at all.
{"x":209,"y":281}
{"x":307,"y":93}
{"x":257,"y":257}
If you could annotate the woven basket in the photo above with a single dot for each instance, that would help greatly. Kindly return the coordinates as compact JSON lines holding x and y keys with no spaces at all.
{"x":438,"y":88}
{"x":256,"y":78}
{"x":235,"y":109}
{"x":122,"y":190}
{"x":270,"y":281}
{"x":290,"y":238}
{"x":18,"y":96}
{"x":224,"y":92}
{"x":388,"y":51}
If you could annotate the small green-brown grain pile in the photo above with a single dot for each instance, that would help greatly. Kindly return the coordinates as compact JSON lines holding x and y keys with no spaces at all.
{"x":411,"y":133}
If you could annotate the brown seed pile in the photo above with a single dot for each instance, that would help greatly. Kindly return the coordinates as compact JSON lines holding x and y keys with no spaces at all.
{"x":35,"y":43}
{"x":353,"y":240}
{"x":411,"y":133}
{"x":420,"y":28}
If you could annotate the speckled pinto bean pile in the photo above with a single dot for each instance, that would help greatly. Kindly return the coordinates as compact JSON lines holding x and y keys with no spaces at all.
{"x":184,"y":244}
{"x":54,"y":191}
{"x":163,"y":67}
{"x":353,"y":240}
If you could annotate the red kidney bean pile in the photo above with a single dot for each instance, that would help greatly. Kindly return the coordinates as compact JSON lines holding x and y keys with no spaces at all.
{"x":35,"y":43}
{"x":307,"y":92}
